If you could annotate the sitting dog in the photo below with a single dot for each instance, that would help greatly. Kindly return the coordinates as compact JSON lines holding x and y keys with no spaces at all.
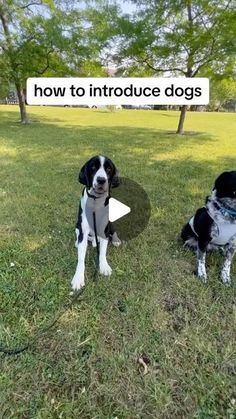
{"x":214,"y":226}
{"x":98,"y":175}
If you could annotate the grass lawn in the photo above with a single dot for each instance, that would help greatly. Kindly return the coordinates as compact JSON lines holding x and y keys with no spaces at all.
{"x":152,"y":305}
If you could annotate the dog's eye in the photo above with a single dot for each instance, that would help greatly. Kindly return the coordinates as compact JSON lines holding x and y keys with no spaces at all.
{"x":93,"y":168}
{"x":108,"y":169}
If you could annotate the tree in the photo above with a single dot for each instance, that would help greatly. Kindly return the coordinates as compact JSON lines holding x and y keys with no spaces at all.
{"x":222,"y":91}
{"x":178,"y":38}
{"x":22,"y":51}
{"x":44,"y":38}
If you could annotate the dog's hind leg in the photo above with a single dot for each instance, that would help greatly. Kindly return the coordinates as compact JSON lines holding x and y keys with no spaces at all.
{"x":115,"y":240}
{"x":113,"y":235}
{"x":201,"y":261}
{"x":91,"y":238}
{"x":104,"y":268}
{"x":229,"y":254}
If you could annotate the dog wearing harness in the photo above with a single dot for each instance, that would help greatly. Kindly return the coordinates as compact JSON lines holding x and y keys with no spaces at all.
{"x":214,"y":226}
{"x":98,"y":175}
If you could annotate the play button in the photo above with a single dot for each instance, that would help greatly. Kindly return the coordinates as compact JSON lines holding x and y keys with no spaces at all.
{"x":134,"y":197}
{"x":129,"y":211}
{"x":117,"y":209}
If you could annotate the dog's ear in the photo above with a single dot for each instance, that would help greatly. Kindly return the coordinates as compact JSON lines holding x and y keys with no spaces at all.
{"x":115,"y":181}
{"x":221,"y":181}
{"x":221,"y":186}
{"x":83,"y":175}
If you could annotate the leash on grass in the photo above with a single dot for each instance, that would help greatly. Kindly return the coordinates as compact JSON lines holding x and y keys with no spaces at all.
{"x":97,"y":247}
{"x":20,"y":349}
{"x":96,"y":235}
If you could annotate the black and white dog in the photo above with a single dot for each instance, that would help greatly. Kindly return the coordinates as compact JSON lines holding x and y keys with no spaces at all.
{"x":98,"y":175}
{"x":214,"y":226}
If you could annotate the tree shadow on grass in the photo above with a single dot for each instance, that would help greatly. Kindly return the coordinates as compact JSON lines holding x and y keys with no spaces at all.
{"x":48,"y":138}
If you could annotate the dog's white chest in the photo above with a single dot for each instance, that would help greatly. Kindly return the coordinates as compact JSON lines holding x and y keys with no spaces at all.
{"x":96,"y":212}
{"x":225,"y":232}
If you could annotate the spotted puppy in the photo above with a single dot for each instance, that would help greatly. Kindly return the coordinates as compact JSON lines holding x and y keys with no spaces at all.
{"x":98,"y":175}
{"x":214,"y":226}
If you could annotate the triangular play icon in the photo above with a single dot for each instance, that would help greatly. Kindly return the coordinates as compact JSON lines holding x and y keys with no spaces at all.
{"x":117,"y":209}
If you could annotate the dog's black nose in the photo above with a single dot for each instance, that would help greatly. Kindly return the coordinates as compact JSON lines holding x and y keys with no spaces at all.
{"x":101,"y":180}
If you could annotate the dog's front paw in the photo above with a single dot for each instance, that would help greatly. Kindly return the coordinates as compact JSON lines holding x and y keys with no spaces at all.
{"x":77,"y":282}
{"x":201,"y":273}
{"x":225,"y":278}
{"x":105,"y":269}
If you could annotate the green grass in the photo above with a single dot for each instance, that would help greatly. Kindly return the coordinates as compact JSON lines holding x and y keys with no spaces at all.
{"x":86,"y":365}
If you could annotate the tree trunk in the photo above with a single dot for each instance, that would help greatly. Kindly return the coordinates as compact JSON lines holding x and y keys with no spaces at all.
{"x":21,"y":98}
{"x":180,"y":128}
{"x":13,"y":64}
